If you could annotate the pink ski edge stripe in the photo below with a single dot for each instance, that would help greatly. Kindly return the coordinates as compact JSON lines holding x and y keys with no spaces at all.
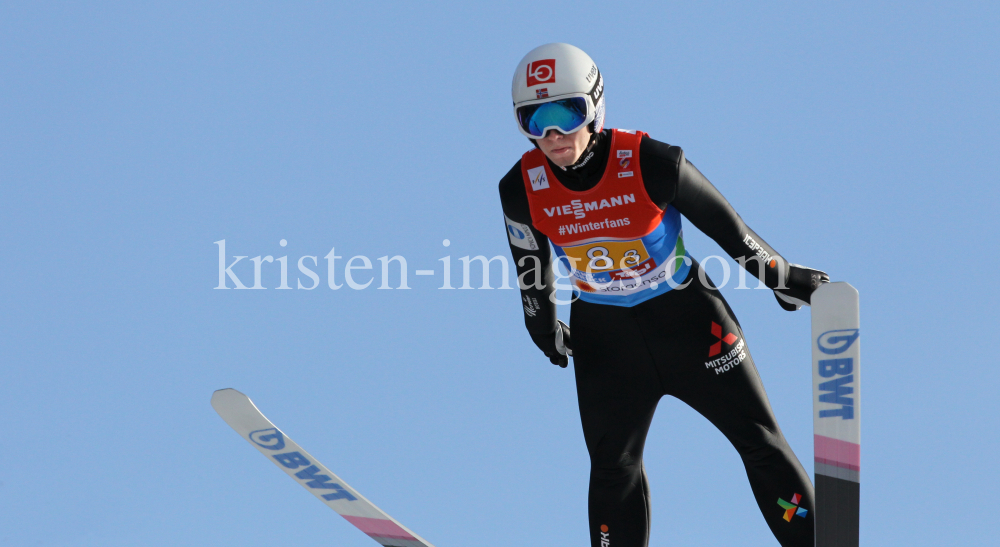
{"x":376,"y":537}
{"x":839,"y":464}
{"x":837,"y":452}
{"x":379,"y":527}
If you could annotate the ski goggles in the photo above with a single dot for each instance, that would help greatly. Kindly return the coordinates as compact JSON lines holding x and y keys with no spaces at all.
{"x":564,"y":115}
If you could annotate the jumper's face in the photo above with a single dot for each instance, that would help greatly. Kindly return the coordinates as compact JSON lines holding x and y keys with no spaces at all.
{"x":564,"y":150}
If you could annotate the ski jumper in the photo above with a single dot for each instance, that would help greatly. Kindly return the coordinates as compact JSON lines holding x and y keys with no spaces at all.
{"x":645,"y":325}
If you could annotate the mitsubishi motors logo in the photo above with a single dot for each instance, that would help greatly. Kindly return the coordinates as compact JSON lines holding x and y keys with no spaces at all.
{"x":542,"y":71}
{"x":717,"y":347}
{"x":729,"y":360}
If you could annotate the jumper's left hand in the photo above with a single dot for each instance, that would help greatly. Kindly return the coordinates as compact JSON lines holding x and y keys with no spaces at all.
{"x":556,"y":345}
{"x":800,"y":285}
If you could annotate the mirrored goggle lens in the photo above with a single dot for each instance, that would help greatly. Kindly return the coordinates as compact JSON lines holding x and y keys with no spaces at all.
{"x":567,"y":115}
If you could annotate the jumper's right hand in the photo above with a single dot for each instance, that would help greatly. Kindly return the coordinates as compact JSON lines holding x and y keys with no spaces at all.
{"x":556,"y":345}
{"x":800,"y":285}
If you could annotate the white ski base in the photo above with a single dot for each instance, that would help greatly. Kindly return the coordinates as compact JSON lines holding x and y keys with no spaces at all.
{"x":836,"y":355}
{"x":240,"y":413}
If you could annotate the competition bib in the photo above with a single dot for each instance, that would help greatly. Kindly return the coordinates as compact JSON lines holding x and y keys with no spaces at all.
{"x":618,"y":246}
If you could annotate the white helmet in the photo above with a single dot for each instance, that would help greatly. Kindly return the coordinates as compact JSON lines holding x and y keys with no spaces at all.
{"x":566,"y":81}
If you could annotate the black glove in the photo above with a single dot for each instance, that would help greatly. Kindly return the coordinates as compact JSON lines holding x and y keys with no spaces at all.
{"x":800,"y":285}
{"x":556,"y":345}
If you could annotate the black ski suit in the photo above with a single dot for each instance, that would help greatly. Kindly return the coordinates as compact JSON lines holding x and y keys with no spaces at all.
{"x":685,"y":342}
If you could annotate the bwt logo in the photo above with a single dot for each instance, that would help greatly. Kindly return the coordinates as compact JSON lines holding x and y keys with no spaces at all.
{"x":837,"y":341}
{"x":840,"y":370}
{"x":542,"y":71}
{"x":272,"y":439}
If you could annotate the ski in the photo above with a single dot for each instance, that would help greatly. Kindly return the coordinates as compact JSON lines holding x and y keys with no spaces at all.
{"x":243,"y":416}
{"x":836,"y":355}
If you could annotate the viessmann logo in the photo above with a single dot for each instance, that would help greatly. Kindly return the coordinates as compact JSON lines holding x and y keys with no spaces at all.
{"x":542,"y":71}
{"x":578,"y":208}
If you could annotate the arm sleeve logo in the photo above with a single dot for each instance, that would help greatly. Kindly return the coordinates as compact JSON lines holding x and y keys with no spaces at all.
{"x":520,"y":235}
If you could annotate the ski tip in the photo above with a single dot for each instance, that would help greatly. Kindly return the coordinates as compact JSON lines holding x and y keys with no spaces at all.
{"x":839,"y":288}
{"x":838,"y":285}
{"x":220,"y":396}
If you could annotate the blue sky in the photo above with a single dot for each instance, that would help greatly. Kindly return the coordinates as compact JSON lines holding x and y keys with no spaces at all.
{"x":856,"y":137}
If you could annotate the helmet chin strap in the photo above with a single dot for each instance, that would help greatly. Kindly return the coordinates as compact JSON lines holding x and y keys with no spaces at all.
{"x":587,"y":152}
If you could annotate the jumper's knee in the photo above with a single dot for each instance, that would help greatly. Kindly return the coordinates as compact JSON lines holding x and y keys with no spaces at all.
{"x":760,"y":445}
{"x":621,"y":469}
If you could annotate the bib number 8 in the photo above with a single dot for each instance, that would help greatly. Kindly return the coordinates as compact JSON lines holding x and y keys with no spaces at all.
{"x":599,"y":259}
{"x":606,"y":256}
